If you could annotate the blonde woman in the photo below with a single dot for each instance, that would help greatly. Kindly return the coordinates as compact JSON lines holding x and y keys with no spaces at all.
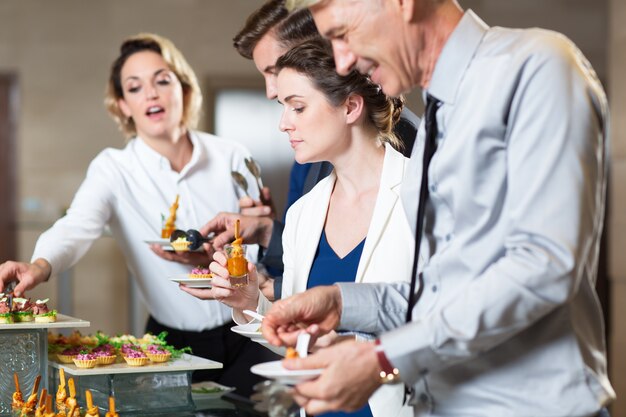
{"x":154,"y":97}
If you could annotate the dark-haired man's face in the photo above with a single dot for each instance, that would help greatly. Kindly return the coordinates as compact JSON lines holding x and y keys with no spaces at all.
{"x":265,"y":54}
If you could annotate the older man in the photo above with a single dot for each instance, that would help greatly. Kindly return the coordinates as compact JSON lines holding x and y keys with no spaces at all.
{"x":507,"y":195}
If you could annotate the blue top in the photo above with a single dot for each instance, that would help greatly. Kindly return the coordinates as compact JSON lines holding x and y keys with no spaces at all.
{"x":327,"y":269}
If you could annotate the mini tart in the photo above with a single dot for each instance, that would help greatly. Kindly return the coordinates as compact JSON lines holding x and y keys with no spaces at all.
{"x":180,"y":245}
{"x":106,"y":360}
{"x":200,"y":276}
{"x":66,"y":358}
{"x":85,"y":363}
{"x":136,"y":361}
{"x":159,"y":357}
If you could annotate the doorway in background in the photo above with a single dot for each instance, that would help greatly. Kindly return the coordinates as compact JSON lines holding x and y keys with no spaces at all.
{"x":8,"y":173}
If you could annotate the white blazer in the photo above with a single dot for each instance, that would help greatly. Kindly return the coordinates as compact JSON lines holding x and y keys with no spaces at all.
{"x":387,"y":255}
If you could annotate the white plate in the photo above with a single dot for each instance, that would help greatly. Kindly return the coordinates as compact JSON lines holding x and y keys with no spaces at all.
{"x":192,"y":282}
{"x":250,"y":330}
{"x":165,"y":244}
{"x":275,"y":370}
{"x":215,"y":390}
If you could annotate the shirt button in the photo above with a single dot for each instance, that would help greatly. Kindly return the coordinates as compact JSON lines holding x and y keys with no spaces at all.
{"x":434,"y":288}
{"x":448,"y":237}
{"x":433,"y":188}
{"x":423,"y":398}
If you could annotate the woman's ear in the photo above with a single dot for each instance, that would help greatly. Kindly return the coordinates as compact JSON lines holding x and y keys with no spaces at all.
{"x":355,"y":107}
{"x":121,"y":103}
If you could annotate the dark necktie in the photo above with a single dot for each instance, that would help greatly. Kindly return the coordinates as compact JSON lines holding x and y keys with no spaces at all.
{"x":430,"y":145}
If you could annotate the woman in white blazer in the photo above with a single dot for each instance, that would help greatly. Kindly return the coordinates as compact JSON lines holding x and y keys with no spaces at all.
{"x":353,"y":216}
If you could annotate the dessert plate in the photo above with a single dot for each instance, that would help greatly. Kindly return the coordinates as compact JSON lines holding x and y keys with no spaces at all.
{"x":165,"y":244}
{"x":192,"y":282}
{"x":275,"y":370}
{"x":251,"y":330}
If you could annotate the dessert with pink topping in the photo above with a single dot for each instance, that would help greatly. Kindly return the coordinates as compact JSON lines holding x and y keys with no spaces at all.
{"x":85,"y":360}
{"x":157,"y":353}
{"x":105,"y":354}
{"x":200,"y":273}
{"x":68,"y":355}
{"x":133,"y":355}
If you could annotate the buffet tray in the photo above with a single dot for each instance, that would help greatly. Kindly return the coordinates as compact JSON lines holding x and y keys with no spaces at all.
{"x":63,"y":321}
{"x":185,"y":363}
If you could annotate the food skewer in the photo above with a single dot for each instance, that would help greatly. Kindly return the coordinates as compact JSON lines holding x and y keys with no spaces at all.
{"x":111,"y":412}
{"x":49,"y":412}
{"x":237,"y":229}
{"x":30,"y":405}
{"x":71,"y":401}
{"x":61,"y":393}
{"x":91,"y":410}
{"x":18,"y":400}
{"x":41,"y":408}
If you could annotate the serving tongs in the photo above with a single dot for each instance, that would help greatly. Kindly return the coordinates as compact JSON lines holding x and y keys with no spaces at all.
{"x":9,"y":293}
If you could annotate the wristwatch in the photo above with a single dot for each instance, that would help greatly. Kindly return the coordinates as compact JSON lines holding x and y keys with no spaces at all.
{"x":388,"y":374}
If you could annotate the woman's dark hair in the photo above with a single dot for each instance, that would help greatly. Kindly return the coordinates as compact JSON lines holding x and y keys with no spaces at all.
{"x":314,"y":59}
{"x":192,"y":96}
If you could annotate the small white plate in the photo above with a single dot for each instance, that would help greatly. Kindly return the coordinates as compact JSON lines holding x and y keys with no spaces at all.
{"x":251,"y":330}
{"x":208,"y":390}
{"x":165,"y":244}
{"x":275,"y":370}
{"x":193,"y":282}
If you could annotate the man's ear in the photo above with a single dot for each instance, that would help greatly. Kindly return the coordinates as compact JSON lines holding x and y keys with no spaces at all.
{"x":407,"y":8}
{"x":355,"y":107}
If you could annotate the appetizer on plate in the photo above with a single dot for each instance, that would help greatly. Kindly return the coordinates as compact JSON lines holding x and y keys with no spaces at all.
{"x":22,"y":310}
{"x":6,"y":316}
{"x":200,"y":272}
{"x":42,"y":313}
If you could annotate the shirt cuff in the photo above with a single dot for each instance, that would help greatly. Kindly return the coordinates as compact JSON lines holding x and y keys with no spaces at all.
{"x":409,"y":349}
{"x":359,"y":307}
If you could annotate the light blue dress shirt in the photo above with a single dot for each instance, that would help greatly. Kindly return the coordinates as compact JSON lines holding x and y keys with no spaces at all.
{"x":509,"y":323}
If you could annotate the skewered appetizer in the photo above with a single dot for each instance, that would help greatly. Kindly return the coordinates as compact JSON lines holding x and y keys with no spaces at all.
{"x":111,"y":412}
{"x":71,"y":403}
{"x":92,"y":411}
{"x":40,"y":411}
{"x":17,"y":400}
{"x":61,"y":393}
{"x":170,"y":223}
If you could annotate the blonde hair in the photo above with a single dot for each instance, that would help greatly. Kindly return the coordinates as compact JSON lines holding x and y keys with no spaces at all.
{"x":192,"y":96}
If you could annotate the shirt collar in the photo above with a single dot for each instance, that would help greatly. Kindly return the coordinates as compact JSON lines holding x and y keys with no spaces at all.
{"x":456,"y":56}
{"x":158,"y":161}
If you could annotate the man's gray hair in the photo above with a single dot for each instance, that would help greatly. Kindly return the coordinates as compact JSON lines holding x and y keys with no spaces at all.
{"x":292,"y":5}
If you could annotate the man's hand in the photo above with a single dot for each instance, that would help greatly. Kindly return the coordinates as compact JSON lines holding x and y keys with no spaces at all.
{"x":350,"y":377}
{"x":27,"y":275}
{"x":317,"y":310}
{"x":195,"y":258}
{"x":252,"y":229}
{"x":264,"y":207}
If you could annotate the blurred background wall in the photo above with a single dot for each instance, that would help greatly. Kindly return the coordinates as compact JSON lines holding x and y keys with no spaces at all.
{"x":58,"y":53}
